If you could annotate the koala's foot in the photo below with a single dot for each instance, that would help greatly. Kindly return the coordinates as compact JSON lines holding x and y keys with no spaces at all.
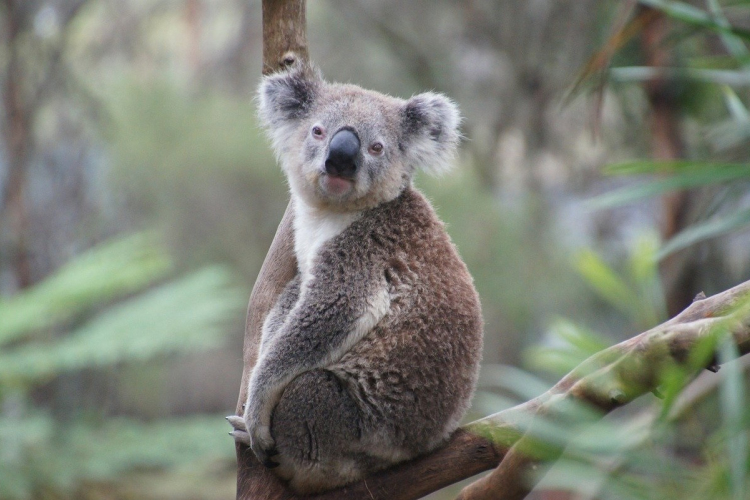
{"x":262,"y":443}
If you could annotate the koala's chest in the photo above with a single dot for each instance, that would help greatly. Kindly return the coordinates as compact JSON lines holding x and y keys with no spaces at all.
{"x":312,"y":229}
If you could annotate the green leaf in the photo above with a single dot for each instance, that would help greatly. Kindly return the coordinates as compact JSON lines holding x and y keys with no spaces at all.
{"x":693,"y":16}
{"x":732,"y":396}
{"x":734,"y":44}
{"x":671,"y":167}
{"x":39,"y":454}
{"x":186,"y":314}
{"x":688,"y":175}
{"x":706,"y":230}
{"x":645,"y":273}
{"x":570,"y":344}
{"x":128,"y":444}
{"x":605,"y":281}
{"x":728,"y":134}
{"x":101,"y":274}
{"x":736,"y":108}
{"x":634,"y":74}
{"x":525,"y":384}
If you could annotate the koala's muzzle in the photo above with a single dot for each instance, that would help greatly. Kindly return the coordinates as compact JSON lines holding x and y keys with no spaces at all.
{"x":342,"y":154}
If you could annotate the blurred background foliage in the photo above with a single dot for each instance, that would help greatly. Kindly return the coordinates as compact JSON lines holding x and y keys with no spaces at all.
{"x":602,"y":185}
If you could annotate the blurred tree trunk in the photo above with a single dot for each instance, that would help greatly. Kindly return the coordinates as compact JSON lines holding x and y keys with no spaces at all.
{"x":17,"y":137}
{"x":678,"y":270}
{"x":25,"y":85}
{"x":193,"y":15}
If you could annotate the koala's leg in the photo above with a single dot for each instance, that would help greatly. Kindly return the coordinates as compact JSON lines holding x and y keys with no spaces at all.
{"x":317,"y":429}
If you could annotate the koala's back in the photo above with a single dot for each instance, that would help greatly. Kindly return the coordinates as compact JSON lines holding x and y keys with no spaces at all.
{"x":403,"y":388}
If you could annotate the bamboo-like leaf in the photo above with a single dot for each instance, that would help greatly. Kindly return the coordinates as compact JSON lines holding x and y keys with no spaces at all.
{"x":706,"y":230}
{"x":637,"y":74}
{"x":622,"y":34}
{"x":700,"y":174}
{"x":736,"y":131}
{"x":569,"y":346}
{"x":525,"y":384}
{"x":732,"y":396}
{"x":582,"y":339}
{"x":605,"y":281}
{"x":693,"y":16}
{"x":638,"y":167}
{"x":735,"y":46}
{"x":735,"y":106}
{"x":645,"y":274}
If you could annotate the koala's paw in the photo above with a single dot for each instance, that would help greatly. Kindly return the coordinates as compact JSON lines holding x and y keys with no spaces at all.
{"x":259,"y":440}
{"x":263,"y":445}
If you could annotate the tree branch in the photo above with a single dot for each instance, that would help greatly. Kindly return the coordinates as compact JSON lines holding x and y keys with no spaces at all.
{"x":615,"y":377}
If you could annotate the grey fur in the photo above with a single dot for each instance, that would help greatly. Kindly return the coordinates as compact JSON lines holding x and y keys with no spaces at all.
{"x":370,"y":356}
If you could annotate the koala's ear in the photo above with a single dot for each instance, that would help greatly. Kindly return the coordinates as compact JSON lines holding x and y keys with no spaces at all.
{"x":430,"y":131}
{"x":286,"y":97}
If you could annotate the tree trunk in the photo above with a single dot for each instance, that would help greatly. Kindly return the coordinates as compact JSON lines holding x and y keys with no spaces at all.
{"x":17,"y":137}
{"x":284,"y":44}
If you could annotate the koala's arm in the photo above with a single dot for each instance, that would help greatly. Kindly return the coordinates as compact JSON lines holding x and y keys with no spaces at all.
{"x":325,"y":323}
{"x":280,"y":312}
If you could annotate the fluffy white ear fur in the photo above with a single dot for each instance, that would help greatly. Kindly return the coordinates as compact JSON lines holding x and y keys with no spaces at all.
{"x":283,"y":99}
{"x":431,"y":132}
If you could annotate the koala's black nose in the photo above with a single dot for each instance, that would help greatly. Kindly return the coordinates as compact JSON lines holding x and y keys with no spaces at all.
{"x":342,"y":154}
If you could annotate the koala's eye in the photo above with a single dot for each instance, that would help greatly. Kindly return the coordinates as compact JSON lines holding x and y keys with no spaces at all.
{"x":318,"y":132}
{"x":376,"y":148}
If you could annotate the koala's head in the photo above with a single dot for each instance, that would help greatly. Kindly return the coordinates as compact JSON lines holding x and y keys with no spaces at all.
{"x":346,"y":148}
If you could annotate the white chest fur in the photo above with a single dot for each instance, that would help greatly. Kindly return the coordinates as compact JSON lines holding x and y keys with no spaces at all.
{"x":312,"y":228}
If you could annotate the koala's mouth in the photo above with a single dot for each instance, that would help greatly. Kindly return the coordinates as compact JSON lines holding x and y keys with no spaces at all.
{"x":336,"y":185}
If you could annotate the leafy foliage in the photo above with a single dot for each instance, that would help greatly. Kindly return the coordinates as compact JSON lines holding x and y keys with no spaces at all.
{"x":722,"y":80}
{"x":633,"y":454}
{"x":73,"y":321}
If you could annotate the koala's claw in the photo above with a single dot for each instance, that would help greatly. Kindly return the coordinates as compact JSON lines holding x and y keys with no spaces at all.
{"x":262,"y":446}
{"x":239,"y":433}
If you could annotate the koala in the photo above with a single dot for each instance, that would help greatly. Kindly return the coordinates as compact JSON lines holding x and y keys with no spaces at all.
{"x":371,"y":354}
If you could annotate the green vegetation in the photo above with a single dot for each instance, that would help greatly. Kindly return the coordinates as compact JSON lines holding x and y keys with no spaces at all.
{"x":117,"y":304}
{"x":692,"y":443}
{"x":141,"y":116}
{"x":647,"y":450}
{"x":712,"y":89}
